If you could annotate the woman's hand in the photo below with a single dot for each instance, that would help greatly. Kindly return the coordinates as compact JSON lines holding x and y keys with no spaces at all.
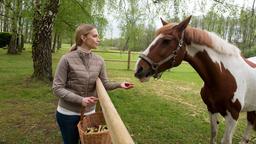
{"x":127,"y":85}
{"x":89,"y":101}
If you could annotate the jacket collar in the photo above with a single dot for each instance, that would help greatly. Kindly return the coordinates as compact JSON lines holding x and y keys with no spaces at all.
{"x":82,"y":50}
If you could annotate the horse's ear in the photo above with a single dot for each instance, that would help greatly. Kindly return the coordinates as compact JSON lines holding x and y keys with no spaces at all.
{"x":182,"y":25}
{"x":163,"y":22}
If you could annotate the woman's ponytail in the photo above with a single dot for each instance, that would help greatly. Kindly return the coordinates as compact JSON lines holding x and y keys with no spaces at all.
{"x":73,"y":48}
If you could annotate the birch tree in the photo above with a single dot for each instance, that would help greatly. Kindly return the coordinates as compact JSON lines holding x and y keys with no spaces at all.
{"x":41,"y":44}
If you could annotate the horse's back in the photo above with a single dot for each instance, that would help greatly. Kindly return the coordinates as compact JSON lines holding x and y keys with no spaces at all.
{"x":251,"y":61}
{"x":244,"y":72}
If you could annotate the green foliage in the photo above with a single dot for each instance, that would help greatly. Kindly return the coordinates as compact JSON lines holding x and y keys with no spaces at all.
{"x":5,"y":38}
{"x":135,"y":34}
{"x":250,"y":53}
{"x":139,"y":38}
{"x":74,"y":12}
{"x":114,"y":43}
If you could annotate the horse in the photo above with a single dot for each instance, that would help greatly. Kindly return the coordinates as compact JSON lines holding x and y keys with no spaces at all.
{"x":228,"y":77}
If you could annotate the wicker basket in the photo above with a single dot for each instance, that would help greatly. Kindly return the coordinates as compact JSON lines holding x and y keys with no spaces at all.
{"x":93,"y":120}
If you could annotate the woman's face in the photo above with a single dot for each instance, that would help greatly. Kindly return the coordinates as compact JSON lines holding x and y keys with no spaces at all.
{"x":91,"y":40}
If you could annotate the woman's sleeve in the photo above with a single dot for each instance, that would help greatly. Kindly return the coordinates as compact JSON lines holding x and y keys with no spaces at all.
{"x":59,"y":83}
{"x":104,"y":78}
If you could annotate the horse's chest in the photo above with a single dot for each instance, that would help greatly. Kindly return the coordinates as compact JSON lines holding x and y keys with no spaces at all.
{"x":218,"y":100}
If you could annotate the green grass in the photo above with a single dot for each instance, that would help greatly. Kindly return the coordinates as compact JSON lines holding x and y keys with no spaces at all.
{"x":164,"y":111}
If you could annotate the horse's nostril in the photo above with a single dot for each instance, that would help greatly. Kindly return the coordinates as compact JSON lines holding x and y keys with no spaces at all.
{"x":138,"y":71}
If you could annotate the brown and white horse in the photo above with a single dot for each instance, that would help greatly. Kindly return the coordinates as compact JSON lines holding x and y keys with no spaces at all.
{"x":229,"y":79}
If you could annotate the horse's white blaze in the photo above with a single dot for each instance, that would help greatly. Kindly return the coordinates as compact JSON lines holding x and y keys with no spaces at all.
{"x":146,"y":51}
{"x":152,"y":43}
{"x":245,"y":76}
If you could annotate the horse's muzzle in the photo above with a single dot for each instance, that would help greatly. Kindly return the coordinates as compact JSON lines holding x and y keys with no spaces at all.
{"x":141,"y":73}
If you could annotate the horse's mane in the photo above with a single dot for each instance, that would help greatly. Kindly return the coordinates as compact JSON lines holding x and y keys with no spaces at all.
{"x":203,"y":37}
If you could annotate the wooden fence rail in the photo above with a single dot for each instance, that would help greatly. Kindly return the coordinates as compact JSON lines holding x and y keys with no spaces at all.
{"x":118,"y":131}
{"x":128,"y":53}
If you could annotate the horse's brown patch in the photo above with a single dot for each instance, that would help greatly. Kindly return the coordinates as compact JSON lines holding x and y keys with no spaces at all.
{"x":194,"y":35}
{"x":219,"y":85}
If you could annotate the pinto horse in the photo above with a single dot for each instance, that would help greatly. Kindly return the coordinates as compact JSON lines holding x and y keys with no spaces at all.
{"x":229,"y":79}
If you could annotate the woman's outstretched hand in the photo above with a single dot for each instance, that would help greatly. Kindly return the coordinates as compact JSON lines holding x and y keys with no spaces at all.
{"x":127,"y":85}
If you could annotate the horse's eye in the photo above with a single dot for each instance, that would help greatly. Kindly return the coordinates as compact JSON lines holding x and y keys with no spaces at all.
{"x":166,"y":41}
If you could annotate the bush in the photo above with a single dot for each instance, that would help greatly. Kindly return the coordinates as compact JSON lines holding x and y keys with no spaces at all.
{"x":250,"y":53}
{"x":5,"y":38}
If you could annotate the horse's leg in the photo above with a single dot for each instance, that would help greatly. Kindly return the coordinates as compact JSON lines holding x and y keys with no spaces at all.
{"x":214,"y":127}
{"x":246,"y":136}
{"x":251,"y":118}
{"x":230,"y":124}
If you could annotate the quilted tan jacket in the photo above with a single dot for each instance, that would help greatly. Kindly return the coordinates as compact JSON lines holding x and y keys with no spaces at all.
{"x":75,"y":78}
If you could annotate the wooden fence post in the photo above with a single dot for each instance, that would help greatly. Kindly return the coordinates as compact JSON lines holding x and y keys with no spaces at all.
{"x":119,"y":133}
{"x":129,"y":60}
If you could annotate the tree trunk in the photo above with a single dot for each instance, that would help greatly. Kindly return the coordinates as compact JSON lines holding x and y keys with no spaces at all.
{"x":22,"y":42}
{"x":26,"y":31}
{"x":176,"y":4}
{"x":54,"y":42}
{"x":20,"y":24}
{"x":6,"y":13}
{"x":251,"y":33}
{"x":12,"y":47}
{"x":30,"y":33}
{"x":231,"y":31}
{"x":1,"y":18}
{"x":41,"y":44}
{"x":58,"y":41}
{"x":126,"y":44}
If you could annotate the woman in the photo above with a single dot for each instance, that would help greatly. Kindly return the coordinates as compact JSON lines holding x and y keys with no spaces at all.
{"x":75,"y":82}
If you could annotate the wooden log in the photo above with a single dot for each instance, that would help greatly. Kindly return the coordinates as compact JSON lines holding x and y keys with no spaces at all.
{"x":119,"y":133}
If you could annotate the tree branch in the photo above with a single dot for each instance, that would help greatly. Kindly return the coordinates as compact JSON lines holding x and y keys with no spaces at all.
{"x":218,"y":1}
{"x":228,"y":5}
{"x":72,"y":27}
{"x":83,"y":9}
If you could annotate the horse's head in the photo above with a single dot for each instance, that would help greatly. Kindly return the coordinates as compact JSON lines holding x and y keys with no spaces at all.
{"x":166,"y":51}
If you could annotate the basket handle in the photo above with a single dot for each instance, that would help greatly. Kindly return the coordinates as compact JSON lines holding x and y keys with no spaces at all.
{"x":82,"y":114}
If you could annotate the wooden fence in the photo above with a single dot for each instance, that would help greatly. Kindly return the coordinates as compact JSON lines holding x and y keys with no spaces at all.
{"x":128,"y":61}
{"x":119,"y":133}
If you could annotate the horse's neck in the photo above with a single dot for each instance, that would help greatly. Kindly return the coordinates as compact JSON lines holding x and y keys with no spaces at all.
{"x":208,"y":70}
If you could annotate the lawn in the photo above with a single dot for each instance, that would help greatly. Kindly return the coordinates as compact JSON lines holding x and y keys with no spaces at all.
{"x":164,"y":111}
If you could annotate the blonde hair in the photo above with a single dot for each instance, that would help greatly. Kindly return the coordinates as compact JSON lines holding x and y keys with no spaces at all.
{"x":82,"y":29}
